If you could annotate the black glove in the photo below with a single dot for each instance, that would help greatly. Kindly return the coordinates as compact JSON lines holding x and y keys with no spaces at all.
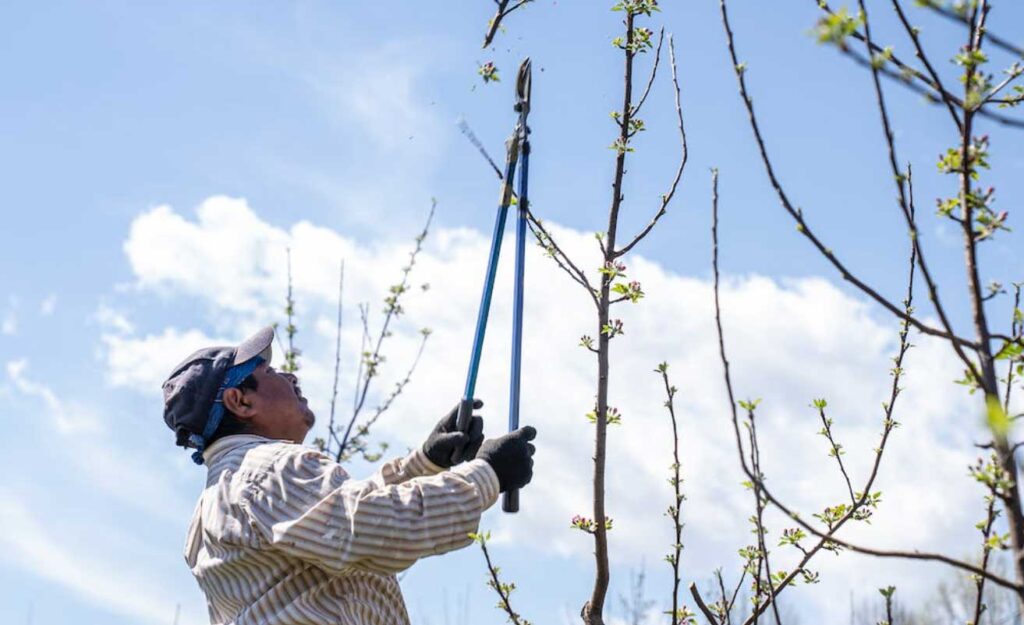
{"x":511,"y":457}
{"x":446,"y":441}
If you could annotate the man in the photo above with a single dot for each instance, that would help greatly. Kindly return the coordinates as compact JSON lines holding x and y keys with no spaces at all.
{"x":282,"y":535}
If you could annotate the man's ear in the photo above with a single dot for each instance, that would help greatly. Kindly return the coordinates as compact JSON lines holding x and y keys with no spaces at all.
{"x":238,"y":404}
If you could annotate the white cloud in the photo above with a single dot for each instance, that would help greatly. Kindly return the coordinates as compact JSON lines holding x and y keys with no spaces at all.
{"x":121,"y":473}
{"x":789,"y":341}
{"x":29,"y":540}
{"x":114,"y":320}
{"x":380,"y":92}
{"x":9,"y":323}
{"x":143,"y":363}
{"x":48,"y":305}
{"x":66,"y":418}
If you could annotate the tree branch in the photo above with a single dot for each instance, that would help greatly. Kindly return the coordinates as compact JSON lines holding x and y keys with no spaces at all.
{"x":997,"y":41}
{"x":797,"y":214}
{"x":836,"y":450}
{"x":828,"y":537}
{"x":654,"y":72}
{"x":986,"y":531}
{"x":667,"y":197}
{"x":703,"y":607}
{"x":912,"y":32}
{"x":503,"y":11}
{"x":674,"y":511}
{"x":392,"y":310}
{"x":1016,"y":328}
{"x":331,"y":431}
{"x":905,"y":202}
{"x":545,"y":240}
{"x":910,"y":77}
{"x":504,"y":590}
{"x":358,"y":441}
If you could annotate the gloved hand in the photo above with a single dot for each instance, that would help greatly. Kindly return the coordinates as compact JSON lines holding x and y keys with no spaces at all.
{"x":511,"y":457}
{"x":443,"y":443}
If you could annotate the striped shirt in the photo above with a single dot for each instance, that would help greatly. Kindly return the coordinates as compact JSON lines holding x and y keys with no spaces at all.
{"x":283,"y":536}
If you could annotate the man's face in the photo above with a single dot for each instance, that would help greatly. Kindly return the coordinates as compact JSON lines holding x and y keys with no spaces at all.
{"x":279,"y":410}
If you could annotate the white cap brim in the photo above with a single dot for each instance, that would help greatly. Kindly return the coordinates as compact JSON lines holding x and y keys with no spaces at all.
{"x":258,"y":344}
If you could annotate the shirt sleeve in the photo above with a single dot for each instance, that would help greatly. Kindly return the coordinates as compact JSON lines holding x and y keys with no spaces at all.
{"x":308,"y":507}
{"x":399,"y":470}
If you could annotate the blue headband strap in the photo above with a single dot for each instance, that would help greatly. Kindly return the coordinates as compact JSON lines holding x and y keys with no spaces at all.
{"x":232,"y":378}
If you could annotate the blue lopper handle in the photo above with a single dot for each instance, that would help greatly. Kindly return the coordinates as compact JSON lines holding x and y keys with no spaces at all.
{"x":466,"y":406}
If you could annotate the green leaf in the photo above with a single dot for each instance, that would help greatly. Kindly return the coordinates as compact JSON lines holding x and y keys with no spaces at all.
{"x":997,"y":419}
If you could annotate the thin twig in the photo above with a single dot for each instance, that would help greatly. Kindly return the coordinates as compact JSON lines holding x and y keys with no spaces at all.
{"x":1013,"y":74}
{"x":674,"y":511}
{"x":735,"y":594}
{"x":797,"y":214}
{"x":332,"y":432}
{"x":469,"y":134}
{"x":358,"y":439}
{"x":904,"y":201}
{"x":986,"y":531}
{"x":392,"y":310}
{"x":545,"y":240}
{"x":503,"y":589}
{"x":654,"y":72}
{"x":910,"y":76}
{"x":912,"y":32}
{"x":703,"y":607}
{"x":291,"y":363}
{"x":667,"y":197}
{"x":836,"y":450}
{"x":502,"y":12}
{"x":726,"y":607}
{"x":1016,"y":328}
{"x":889,"y":424}
{"x":763,"y":556}
{"x":364,"y":318}
{"x":997,"y":41}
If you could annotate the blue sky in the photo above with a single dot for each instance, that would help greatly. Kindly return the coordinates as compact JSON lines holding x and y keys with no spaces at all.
{"x":328,"y":127}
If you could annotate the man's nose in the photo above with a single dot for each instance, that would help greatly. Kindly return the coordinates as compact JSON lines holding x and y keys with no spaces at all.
{"x":291,"y":377}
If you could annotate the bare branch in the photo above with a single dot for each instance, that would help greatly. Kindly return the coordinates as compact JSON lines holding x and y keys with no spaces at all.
{"x":675,"y":510}
{"x":797,"y":214}
{"x":358,"y":440}
{"x":911,"y":77}
{"x":545,"y":240}
{"x":913,"y":33}
{"x":986,"y":549}
{"x":331,"y":431}
{"x":828,"y":537}
{"x":919,"y":83}
{"x":1016,"y":328}
{"x":469,"y":134}
{"x":763,"y":559}
{"x":654,"y":72}
{"x":1012,"y":74}
{"x":836,"y":450}
{"x":735,"y":593}
{"x":667,"y":197}
{"x":703,"y":607}
{"x":392,"y":310}
{"x":726,"y":608}
{"x":997,"y":41}
{"x":503,"y":589}
{"x":906,"y":202}
{"x":503,"y":11}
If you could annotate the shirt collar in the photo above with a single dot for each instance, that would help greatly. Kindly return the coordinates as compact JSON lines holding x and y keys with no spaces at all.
{"x":226,"y":443}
